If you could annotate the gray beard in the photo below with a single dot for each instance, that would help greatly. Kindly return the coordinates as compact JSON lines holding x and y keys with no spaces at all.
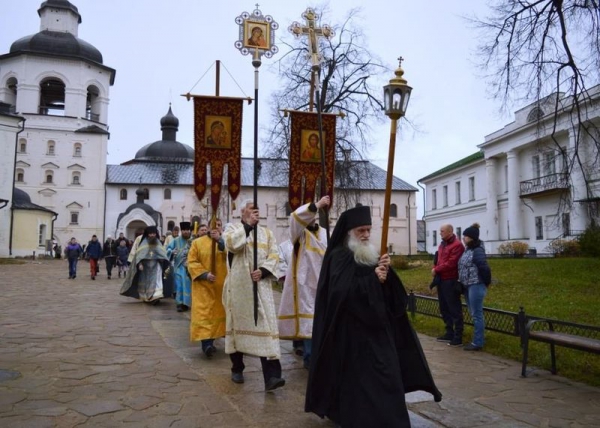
{"x":365,"y":253}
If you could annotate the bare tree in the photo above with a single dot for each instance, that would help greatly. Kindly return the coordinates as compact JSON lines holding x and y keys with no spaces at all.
{"x":348,"y":86}
{"x":533,"y":48}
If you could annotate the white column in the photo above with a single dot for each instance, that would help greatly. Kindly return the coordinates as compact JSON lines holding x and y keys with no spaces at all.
{"x":491,"y":221}
{"x":515,"y":229}
{"x":578,"y":214}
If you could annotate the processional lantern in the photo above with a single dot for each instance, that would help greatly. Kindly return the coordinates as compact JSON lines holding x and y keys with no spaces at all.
{"x":396,"y":94}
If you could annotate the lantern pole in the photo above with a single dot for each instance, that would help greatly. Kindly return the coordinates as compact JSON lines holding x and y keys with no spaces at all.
{"x":396,"y":95}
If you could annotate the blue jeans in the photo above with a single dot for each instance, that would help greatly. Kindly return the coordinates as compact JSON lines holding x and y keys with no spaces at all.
{"x":307,"y":351}
{"x":474,"y":296}
{"x":72,"y":266}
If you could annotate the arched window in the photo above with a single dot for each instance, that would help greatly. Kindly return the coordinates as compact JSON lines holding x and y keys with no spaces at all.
{"x":42,"y":235}
{"x":393,"y":210}
{"x":535,"y":114}
{"x":77,"y":149}
{"x":20,"y":175}
{"x":167,"y":193}
{"x":49,"y":177}
{"x":22,"y":145}
{"x":146,"y":193}
{"x":74,"y":217}
{"x":288,"y":209}
{"x":170,"y":225}
{"x":123,"y":194}
{"x":52,"y":97}
{"x":76,"y":178}
{"x":92,"y":105}
{"x":51,"y":146}
{"x":11,"y":97}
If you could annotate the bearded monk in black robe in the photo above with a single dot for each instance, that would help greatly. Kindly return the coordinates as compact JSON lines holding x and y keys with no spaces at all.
{"x":366,"y":355}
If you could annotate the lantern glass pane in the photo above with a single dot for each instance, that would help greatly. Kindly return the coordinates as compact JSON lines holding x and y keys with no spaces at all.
{"x":405,"y":101}
{"x":396,"y":103}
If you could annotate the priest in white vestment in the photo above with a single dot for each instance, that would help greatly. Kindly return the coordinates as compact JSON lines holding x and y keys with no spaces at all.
{"x":297,"y":306}
{"x":243,"y":335}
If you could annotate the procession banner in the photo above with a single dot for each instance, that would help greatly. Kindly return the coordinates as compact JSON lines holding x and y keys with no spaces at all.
{"x":218,"y":142}
{"x":305,"y":156}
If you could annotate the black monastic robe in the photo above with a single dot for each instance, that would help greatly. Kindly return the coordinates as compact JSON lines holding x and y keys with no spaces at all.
{"x":365,"y":353}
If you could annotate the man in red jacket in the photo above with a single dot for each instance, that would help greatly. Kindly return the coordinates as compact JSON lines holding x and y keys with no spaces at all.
{"x":449,"y":253}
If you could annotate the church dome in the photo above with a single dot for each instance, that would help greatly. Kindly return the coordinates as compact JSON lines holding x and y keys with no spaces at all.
{"x":57,"y":44}
{"x":167,"y":149}
{"x":169,"y":120}
{"x":20,"y":197}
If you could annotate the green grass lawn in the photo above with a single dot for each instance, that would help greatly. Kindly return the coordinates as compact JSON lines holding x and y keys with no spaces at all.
{"x":562,"y":288}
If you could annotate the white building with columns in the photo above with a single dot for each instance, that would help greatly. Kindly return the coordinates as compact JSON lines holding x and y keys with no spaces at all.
{"x":516,"y":186}
{"x":59,"y":84}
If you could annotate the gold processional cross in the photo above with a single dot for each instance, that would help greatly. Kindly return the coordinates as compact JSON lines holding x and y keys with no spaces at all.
{"x":313,"y":32}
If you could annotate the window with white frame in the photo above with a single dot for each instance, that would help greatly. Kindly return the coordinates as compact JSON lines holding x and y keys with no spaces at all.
{"x":74,"y":217}
{"x":42,"y":235}
{"x":49,"y":177}
{"x":77,"y":149}
{"x":76,"y":178}
{"x":471,"y":188}
{"x":505,"y":178}
{"x":434,"y":237}
{"x":434,"y":199}
{"x":549,"y":165}
{"x":445,"y":195}
{"x":459,"y":232}
{"x":51,"y":146}
{"x":535,"y":166}
{"x":22,"y":145}
{"x":539,"y":228}
{"x":20,"y":175}
{"x":123,"y":194}
{"x":457,"y":192}
{"x":393,"y":210}
{"x":167,"y":194}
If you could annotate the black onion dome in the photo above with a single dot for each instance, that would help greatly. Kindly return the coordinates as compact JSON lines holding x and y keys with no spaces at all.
{"x":57,"y":44}
{"x":168,"y":149}
{"x":60,"y":4}
{"x":169,"y":120}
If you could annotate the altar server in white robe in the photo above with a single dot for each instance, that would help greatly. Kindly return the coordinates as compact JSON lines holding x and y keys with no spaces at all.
{"x":242,"y":335}
{"x":297,"y":306}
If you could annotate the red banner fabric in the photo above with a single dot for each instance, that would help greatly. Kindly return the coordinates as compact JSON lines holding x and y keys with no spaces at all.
{"x":305,"y":156}
{"x":218,"y":142}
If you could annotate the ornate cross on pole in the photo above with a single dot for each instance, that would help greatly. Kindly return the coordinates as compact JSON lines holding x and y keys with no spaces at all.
{"x":313,"y":32}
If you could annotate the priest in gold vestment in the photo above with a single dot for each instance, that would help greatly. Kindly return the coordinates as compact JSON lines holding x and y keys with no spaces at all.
{"x":207,"y":315}
{"x":243,"y":335}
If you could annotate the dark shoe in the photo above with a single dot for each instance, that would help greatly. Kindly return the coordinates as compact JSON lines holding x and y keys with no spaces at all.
{"x":210,"y":351}
{"x":299,"y":351}
{"x":108,"y":276}
{"x":274,"y":383}
{"x":155,"y":302}
{"x":74,"y":276}
{"x":237,"y":377}
{"x":471,"y":347}
{"x":179,"y":308}
{"x":445,"y":338}
{"x":455,"y":343}
{"x":185,"y":308}
{"x":93,"y":278}
{"x":70,"y":276}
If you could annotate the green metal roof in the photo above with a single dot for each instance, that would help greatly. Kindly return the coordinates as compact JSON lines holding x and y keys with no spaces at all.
{"x":465,"y":161}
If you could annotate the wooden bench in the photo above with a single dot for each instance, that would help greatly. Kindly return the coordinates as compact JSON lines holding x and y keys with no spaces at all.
{"x":569,"y":335}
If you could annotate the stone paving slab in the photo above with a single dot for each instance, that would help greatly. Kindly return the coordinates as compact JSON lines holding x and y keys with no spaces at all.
{"x":75,"y":353}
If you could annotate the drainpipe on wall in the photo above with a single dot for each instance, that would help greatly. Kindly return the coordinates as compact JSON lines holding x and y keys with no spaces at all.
{"x":12,"y":209}
{"x":409,"y":246}
{"x":423,"y":218}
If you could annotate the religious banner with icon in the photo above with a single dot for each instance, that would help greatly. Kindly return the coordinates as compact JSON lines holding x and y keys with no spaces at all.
{"x":305,"y":156}
{"x":217,"y":142}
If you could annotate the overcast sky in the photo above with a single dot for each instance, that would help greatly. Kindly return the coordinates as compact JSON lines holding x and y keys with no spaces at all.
{"x":160,"y":49}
